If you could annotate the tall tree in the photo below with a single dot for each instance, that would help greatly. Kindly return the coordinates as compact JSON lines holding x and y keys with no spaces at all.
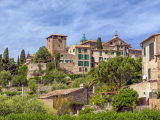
{"x":42,"y":56}
{"x":18,"y":62}
{"x":98,"y":44}
{"x":22,"y":57}
{"x":116,"y":70}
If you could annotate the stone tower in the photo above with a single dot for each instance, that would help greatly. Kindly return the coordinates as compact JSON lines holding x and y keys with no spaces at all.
{"x":83,"y":39}
{"x":56,"y":43}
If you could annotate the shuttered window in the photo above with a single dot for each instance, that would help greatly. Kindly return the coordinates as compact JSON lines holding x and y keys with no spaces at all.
{"x":79,"y":50}
{"x":85,"y":50}
{"x":144,"y":51}
{"x":100,"y":53}
{"x":85,"y":69}
{"x":149,"y":73}
{"x":88,"y":63}
{"x":73,"y":50}
{"x":80,"y":63}
{"x":151,"y":51}
{"x":80,"y":69}
{"x":91,"y":52}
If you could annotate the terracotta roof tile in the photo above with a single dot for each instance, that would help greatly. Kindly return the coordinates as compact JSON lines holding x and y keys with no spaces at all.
{"x":82,"y":46}
{"x":59,"y":92}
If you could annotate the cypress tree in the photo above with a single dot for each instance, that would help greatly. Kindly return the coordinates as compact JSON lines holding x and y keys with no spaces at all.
{"x":98,"y":44}
{"x":18,"y":62}
{"x":22,"y":57}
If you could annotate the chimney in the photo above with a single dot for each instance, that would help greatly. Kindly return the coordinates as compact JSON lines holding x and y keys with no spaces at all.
{"x":82,"y":85}
{"x":94,"y":89}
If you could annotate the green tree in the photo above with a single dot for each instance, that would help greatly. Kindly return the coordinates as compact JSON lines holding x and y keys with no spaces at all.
{"x":32,"y":85}
{"x":59,"y":75}
{"x":42,"y":56}
{"x":23,"y":70}
{"x":18,"y":62}
{"x":117,"y":52}
{"x":21,"y":79}
{"x":62,"y":105}
{"x":125,"y":98}
{"x":58,"y":86}
{"x":116,"y":70}
{"x":77,"y":82}
{"x":5,"y":77}
{"x":86,"y":110}
{"x":97,"y":100}
{"x":98,"y":44}
{"x":22,"y":57}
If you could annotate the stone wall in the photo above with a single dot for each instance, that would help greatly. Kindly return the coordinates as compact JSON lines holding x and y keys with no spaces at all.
{"x":154,"y":103}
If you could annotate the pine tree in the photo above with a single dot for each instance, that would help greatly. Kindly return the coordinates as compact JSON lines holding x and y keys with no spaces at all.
{"x":98,"y":44}
{"x":18,"y":62}
{"x":22,"y":57}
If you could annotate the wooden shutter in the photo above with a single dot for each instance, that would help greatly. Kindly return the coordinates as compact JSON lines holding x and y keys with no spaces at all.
{"x":78,"y":63}
{"x":82,"y":56}
{"x":78,"y":50}
{"x":93,"y":59}
{"x":87,"y":57}
{"x":144,"y":50}
{"x":99,"y":59}
{"x":86,"y":50}
{"x":102,"y":59}
{"x":151,"y":51}
{"x":100,"y":53}
{"x":81,"y":63}
{"x":149,"y":73}
{"x":78,"y":56}
{"x":87,"y":63}
{"x":122,"y":52}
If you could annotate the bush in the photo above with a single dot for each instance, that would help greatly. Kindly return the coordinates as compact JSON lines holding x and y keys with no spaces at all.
{"x":0,"y":89}
{"x":58,"y":86}
{"x":125,"y":98}
{"x":23,"y":70}
{"x":158,"y":94}
{"x":32,"y":85}
{"x":30,"y":92}
{"x":43,"y":91}
{"x":74,"y":76}
{"x":77,"y":82}
{"x":19,"y":93}
{"x":11,"y":93}
{"x":48,"y":79}
{"x":19,"y":89}
{"x":1,"y":93}
{"x":17,"y":105}
{"x":86,"y":110}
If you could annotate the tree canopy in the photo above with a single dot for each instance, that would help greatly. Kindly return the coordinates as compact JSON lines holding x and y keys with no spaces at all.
{"x":98,"y":44}
{"x":42,"y":56}
{"x":125,"y":98}
{"x":115,"y":71}
{"x":5,"y":76}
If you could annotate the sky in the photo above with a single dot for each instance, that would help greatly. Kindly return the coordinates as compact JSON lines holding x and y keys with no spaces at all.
{"x":25,"y":24}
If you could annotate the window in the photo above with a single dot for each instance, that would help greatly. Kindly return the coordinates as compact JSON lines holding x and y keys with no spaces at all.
{"x":80,"y":63}
{"x":66,"y":55}
{"x":112,"y":53}
{"x":49,"y":40}
{"x":73,"y":50}
{"x":86,"y":57}
{"x":106,"y":52}
{"x":70,"y":51}
{"x":151,"y":51}
{"x":144,"y":50}
{"x":80,"y":56}
{"x":92,"y":59}
{"x":100,"y":59}
{"x":58,"y":45}
{"x":133,"y":52}
{"x":72,"y":60}
{"x":79,"y":50}
{"x":149,"y":73}
{"x":111,"y":43}
{"x":91,"y":52}
{"x":61,"y":55}
{"x":85,"y":69}
{"x":80,"y":69}
{"x":121,"y":46}
{"x":121,"y":53}
{"x":100,"y":53}
{"x":85,"y":63}
{"x":85,"y":50}
{"x":139,"y":51}
{"x":66,"y":61}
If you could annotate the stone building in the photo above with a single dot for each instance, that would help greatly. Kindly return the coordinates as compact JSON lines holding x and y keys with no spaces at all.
{"x":80,"y":95}
{"x":80,"y":58}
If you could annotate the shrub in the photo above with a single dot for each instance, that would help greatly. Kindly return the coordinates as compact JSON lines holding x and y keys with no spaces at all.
{"x":125,"y":98}
{"x":23,"y":70}
{"x":0,"y":89}
{"x":30,"y":92}
{"x":19,"y":93}
{"x":158,"y":94}
{"x":11,"y":93}
{"x":74,"y":76}
{"x":1,"y":93}
{"x":32,"y":85}
{"x":86,"y":110}
{"x":19,"y":89}
{"x":59,"y":86}
{"x":43,"y":91}
{"x":77,"y":82}
{"x":47,"y":79}
{"x":17,"y":104}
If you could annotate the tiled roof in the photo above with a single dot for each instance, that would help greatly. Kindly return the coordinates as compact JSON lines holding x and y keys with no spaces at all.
{"x":135,"y":49}
{"x":82,"y":46}
{"x":59,"y":92}
{"x":93,"y":41}
{"x":150,"y":37}
{"x":57,"y":35}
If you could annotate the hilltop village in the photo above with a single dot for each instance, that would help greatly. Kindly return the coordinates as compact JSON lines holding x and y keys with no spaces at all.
{"x":90,"y":75}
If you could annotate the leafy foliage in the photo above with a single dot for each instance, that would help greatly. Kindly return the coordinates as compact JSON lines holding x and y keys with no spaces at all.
{"x":125,"y":98}
{"x":98,"y":44}
{"x":97,"y":100}
{"x":62,"y":104}
{"x":17,"y":105}
{"x":58,"y":75}
{"x":22,"y":57}
{"x":58,"y":86}
{"x":42,"y":56}
{"x":115,"y":71}
{"x":5,"y":76}
{"x":57,"y":56}
{"x":32,"y":85}
{"x":86,"y":110}
{"x":23,"y":70}
{"x":19,"y":89}
{"x":47,"y":79}
{"x":77,"y":82}
{"x":74,"y":76}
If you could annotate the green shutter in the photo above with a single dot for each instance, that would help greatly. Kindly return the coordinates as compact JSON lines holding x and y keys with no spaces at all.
{"x":86,"y":50}
{"x":82,"y":56}
{"x":87,"y":57}
{"x":78,"y":63}
{"x":82,"y":63}
{"x":100,"y":53}
{"x":102,"y":59}
{"x":78,"y":56}
{"x":87,"y":63}
{"x":99,"y":59}
{"x":122,"y":52}
{"x":149,"y":73}
{"x":70,"y":61}
{"x":93,"y":59}
{"x":62,"y":61}
{"x":113,"y":53}
{"x":78,"y":50}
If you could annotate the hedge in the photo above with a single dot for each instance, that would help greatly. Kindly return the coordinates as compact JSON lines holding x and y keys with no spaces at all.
{"x":30,"y":92}
{"x":74,"y":76}
{"x":109,"y":115}
{"x":19,"y":89}
{"x":48,"y":79}
{"x":12,"y":93}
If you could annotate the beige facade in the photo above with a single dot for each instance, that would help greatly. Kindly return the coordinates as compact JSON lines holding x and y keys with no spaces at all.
{"x":135,"y":53}
{"x":151,"y":58}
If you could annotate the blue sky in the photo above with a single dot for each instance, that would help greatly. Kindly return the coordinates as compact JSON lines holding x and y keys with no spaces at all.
{"x":25,"y":24}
